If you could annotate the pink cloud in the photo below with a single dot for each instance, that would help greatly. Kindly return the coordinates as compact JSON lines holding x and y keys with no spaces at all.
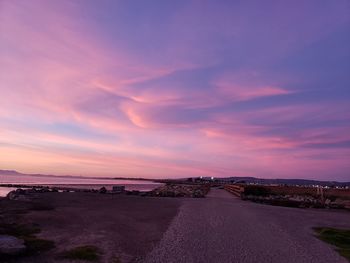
{"x":58,"y":68}
{"x":247,"y":85}
{"x":241,"y":93}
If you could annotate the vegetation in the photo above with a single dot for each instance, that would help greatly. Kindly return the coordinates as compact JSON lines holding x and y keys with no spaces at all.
{"x":19,"y":230}
{"x":339,"y":238}
{"x":34,"y":245}
{"x":89,"y":253}
{"x":257,"y":190}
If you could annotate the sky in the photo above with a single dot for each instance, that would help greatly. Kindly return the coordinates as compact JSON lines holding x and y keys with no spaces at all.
{"x":170,"y":89}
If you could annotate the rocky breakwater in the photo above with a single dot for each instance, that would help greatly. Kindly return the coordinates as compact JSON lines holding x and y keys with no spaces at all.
{"x":181,"y":190}
{"x":267,"y":195}
{"x":26,"y":194}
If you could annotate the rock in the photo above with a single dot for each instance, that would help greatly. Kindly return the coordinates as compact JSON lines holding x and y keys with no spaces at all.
{"x":346,"y":204}
{"x":197,"y":194}
{"x":340,"y":204}
{"x":327,"y":202}
{"x":180,"y":190}
{"x":18,"y":194}
{"x":118,"y":189}
{"x":11,"y":195}
{"x":103,"y":190}
{"x":11,"y":245}
{"x":20,"y":191}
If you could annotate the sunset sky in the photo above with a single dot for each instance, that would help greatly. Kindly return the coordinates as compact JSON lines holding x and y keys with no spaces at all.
{"x":176,"y":88}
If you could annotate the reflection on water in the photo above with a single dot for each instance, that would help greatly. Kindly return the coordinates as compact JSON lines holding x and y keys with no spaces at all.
{"x":85,"y":183}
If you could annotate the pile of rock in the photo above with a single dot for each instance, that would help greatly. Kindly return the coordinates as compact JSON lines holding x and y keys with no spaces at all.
{"x":180,"y":190}
{"x":103,"y":190}
{"x":23,"y":194}
{"x":298,"y":201}
{"x":338,"y":203}
{"x":19,"y":194}
{"x":10,"y":245}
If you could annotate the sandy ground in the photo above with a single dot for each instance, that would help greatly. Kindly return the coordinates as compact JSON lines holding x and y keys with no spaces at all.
{"x":124,"y":227}
{"x":219,"y":228}
{"x":223,"y":228}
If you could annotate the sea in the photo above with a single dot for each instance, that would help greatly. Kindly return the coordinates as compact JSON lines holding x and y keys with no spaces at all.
{"x":73,"y":182}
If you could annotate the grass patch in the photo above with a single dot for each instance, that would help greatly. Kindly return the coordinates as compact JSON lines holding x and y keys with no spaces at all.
{"x":89,"y":253}
{"x":339,"y":238}
{"x":37,"y":245}
{"x":27,"y":232}
{"x":19,"y":230}
{"x":257,"y":190}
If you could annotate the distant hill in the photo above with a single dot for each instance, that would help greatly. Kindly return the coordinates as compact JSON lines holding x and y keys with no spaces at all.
{"x":12,"y":172}
{"x":233,"y":179}
{"x":9,"y":172}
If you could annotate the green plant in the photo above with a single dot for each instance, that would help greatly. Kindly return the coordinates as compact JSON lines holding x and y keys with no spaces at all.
{"x":27,"y":233}
{"x":339,"y":238}
{"x":36,"y":245}
{"x":256,"y":190}
{"x":19,"y":230}
{"x":90,"y":253}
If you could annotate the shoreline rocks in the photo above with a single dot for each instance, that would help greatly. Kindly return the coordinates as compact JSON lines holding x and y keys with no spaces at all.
{"x":181,"y":190}
{"x":302,"y":201}
{"x":10,"y":245}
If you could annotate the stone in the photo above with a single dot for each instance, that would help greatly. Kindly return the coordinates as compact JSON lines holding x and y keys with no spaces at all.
{"x":11,"y":195}
{"x":118,"y":189}
{"x":11,"y":245}
{"x":103,"y":190}
{"x":18,"y":195}
{"x":20,"y":191}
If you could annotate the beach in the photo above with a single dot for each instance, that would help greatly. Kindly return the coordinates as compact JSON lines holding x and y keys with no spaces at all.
{"x":218,"y":228}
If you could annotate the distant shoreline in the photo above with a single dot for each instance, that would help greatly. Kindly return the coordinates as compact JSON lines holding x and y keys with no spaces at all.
{"x":235,"y":179}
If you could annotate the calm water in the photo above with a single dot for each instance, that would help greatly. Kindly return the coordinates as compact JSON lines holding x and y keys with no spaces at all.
{"x":86,"y":183}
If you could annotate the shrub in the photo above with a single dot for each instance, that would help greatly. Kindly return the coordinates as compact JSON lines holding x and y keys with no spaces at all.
{"x":337,"y":237}
{"x":36,"y":245}
{"x":90,"y":253}
{"x":19,"y":230}
{"x":27,"y":232}
{"x":256,"y":190}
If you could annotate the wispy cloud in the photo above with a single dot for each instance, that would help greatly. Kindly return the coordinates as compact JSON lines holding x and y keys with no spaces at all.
{"x":184,"y":89}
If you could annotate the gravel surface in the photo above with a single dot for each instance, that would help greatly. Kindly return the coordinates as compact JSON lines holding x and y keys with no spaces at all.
{"x":222,"y":228}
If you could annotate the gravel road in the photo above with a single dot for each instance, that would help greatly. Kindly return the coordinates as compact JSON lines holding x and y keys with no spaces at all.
{"x":222,"y":228}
